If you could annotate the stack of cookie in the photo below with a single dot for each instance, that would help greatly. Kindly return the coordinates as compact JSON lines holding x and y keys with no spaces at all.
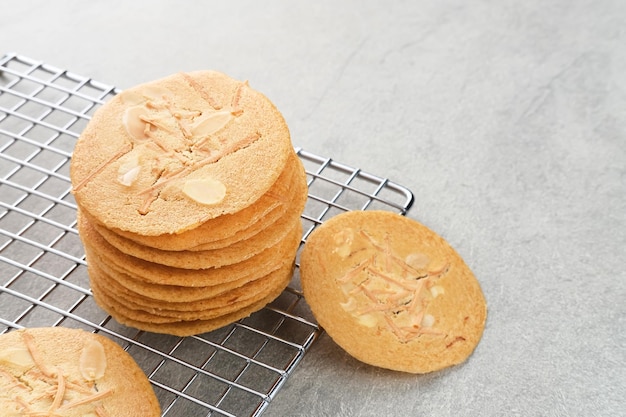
{"x":189,"y":195}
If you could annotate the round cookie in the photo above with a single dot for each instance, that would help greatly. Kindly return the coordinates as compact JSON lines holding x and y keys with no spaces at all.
{"x":160,"y":157}
{"x":69,"y":372}
{"x":391,"y":292}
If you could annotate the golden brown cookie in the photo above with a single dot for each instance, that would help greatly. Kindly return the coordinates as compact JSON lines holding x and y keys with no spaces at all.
{"x":191,"y":327}
{"x":160,"y":157}
{"x":158,"y":311}
{"x":145,"y":273}
{"x":189,"y":197}
{"x":56,"y":371}
{"x":292,"y":197}
{"x":230,"y":228}
{"x":235,"y":253}
{"x":391,"y":292}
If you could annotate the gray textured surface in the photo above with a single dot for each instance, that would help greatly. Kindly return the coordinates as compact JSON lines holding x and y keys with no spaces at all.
{"x":508,"y":121}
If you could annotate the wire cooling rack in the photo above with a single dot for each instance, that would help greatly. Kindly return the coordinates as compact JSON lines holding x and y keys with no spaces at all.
{"x":233,"y":371}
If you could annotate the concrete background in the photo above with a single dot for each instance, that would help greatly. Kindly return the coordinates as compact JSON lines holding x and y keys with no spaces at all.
{"x":506,"y":119}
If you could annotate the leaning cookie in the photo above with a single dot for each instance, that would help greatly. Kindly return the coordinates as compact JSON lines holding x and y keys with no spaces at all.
{"x":391,"y":292}
{"x":56,"y":371}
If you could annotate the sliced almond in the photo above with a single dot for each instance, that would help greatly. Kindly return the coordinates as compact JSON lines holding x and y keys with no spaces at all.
{"x":368,"y":320}
{"x":350,"y":305}
{"x":343,"y":242}
{"x":436,"y":291}
{"x":129,"y":177}
{"x":206,"y":191}
{"x":417,"y":260}
{"x":18,"y":357}
{"x":128,"y":170}
{"x":428,"y":320}
{"x":210,"y":123}
{"x":131,"y":98}
{"x":133,"y":124}
{"x":92,"y":361}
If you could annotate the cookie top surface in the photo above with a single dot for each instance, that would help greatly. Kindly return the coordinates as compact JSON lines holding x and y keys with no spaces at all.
{"x":391,"y":292}
{"x":168,"y":155}
{"x":70,"y":372}
{"x":229,"y":228}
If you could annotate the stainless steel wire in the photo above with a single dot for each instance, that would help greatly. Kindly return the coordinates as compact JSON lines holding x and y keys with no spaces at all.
{"x":233,"y":371}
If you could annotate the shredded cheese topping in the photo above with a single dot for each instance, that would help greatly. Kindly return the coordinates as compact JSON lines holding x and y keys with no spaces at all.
{"x":385,"y":290}
{"x":44,"y":390}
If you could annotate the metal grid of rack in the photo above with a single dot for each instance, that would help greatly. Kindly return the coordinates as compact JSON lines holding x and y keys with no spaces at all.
{"x":233,"y":371}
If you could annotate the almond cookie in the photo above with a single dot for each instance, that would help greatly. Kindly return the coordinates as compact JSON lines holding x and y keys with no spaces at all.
{"x":159,"y":158}
{"x":56,"y":371}
{"x":291,"y":197}
{"x":222,"y":256}
{"x":391,"y":292}
{"x":229,"y":228}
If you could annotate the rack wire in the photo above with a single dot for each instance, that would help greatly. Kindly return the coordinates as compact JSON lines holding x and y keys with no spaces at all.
{"x":232,"y":371}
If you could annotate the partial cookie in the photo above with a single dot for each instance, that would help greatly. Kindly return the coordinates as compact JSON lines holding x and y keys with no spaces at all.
{"x":68,"y":372}
{"x":230,"y":228}
{"x":235,"y":253}
{"x":159,"y":158}
{"x":391,"y":292}
{"x":154,"y":273}
{"x":190,"y":294}
{"x":291,"y":197}
{"x":192,"y":327}
{"x":157,"y":311}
